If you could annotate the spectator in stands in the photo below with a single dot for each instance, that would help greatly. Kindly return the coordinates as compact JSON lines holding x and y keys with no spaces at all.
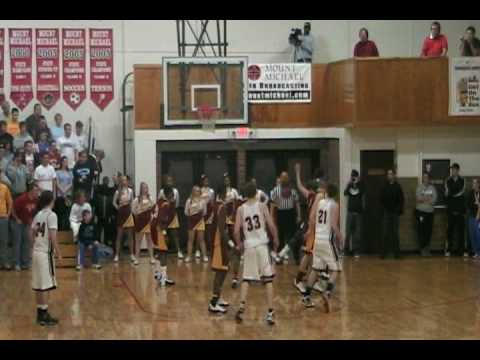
{"x":43,"y":127}
{"x":5,"y":138}
{"x":469,"y":43}
{"x":13,"y":125}
{"x":80,"y":137}
{"x":63,"y":201}
{"x":22,"y":137}
{"x":392,"y":201}
{"x":33,"y":121}
{"x":54,"y":156}
{"x":4,"y":161}
{"x":24,"y":208}
{"x":67,"y":145}
{"x":43,"y":145}
{"x":6,"y":204}
{"x":4,"y":179}
{"x":426,"y":195}
{"x":365,"y":47}
{"x":455,"y":196}
{"x":32,"y":159}
{"x":436,"y":44}
{"x":474,"y":217}
{"x":76,"y":212}
{"x":103,"y":200}
{"x":83,"y":174}
{"x":5,"y":114}
{"x":356,"y":204}
{"x":88,"y":239}
{"x":18,"y":174}
{"x":57,"y":130}
{"x":45,"y":174}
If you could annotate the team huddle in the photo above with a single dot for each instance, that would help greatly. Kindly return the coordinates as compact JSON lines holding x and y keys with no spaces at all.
{"x":242,"y":227}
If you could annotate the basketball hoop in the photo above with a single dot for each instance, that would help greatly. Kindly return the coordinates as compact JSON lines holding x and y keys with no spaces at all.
{"x":207,"y":118}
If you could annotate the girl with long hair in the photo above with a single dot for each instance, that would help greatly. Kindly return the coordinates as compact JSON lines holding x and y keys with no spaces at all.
{"x":142,"y":209}
{"x":195,"y":210}
{"x":122,"y":201}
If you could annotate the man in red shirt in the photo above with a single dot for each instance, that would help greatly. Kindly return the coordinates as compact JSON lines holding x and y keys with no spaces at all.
{"x":365,"y":47}
{"x":23,"y":211}
{"x":436,"y":44}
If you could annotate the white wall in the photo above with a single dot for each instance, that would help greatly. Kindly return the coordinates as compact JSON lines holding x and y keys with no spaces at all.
{"x":147,"y":41}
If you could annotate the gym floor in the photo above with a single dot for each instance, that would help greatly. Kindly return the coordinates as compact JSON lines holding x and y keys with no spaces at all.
{"x":412,"y":298}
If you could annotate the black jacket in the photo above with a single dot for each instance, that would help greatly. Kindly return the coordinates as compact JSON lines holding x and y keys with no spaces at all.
{"x":455,"y":195}
{"x":355,"y":193}
{"x":392,"y":198}
{"x":88,"y":233}
{"x":83,"y":175}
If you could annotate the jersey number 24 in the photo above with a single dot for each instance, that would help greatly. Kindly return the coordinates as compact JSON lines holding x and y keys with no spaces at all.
{"x":39,"y":230}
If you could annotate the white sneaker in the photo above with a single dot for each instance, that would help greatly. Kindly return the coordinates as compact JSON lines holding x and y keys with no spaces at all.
{"x":318,"y":286}
{"x":78,"y":267}
{"x":157,"y":275}
{"x":18,"y":268}
{"x":205,"y":259}
{"x":447,"y":253}
{"x":300,"y":286}
{"x":187,"y":259}
{"x":163,"y":282}
{"x":135,"y":262}
{"x":285,"y":258}
{"x":216,"y":309}
{"x":270,"y":318}
{"x":152,"y":261}
{"x":465,"y":254}
{"x":97,"y":266}
{"x":231,"y":244}
{"x":197,"y":254}
{"x":180,"y":255}
{"x":284,"y":252}
{"x":115,"y":259}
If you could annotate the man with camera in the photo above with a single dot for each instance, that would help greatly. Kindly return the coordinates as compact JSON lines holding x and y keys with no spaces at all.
{"x":303,"y":44}
{"x":356,"y":198}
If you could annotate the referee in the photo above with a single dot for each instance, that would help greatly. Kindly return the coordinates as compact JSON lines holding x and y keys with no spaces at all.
{"x":288,"y":214}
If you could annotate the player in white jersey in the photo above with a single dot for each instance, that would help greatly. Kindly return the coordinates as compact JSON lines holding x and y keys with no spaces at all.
{"x":328,"y":241}
{"x":45,"y":246}
{"x":252,"y":219}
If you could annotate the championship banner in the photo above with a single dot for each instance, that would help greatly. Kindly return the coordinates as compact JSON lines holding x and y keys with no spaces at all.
{"x":2,"y":65}
{"x":21,"y":91}
{"x":74,"y":86}
{"x":101,"y":66}
{"x":48,"y":75}
{"x":280,"y":83}
{"x":464,"y":86}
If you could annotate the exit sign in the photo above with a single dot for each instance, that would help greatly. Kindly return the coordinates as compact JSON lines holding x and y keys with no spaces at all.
{"x":242,"y":133}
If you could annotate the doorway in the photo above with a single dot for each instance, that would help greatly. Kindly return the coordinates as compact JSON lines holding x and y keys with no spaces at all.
{"x":374,"y":165}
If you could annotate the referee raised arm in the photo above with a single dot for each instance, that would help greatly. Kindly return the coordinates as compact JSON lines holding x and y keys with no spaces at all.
{"x":288,"y":214}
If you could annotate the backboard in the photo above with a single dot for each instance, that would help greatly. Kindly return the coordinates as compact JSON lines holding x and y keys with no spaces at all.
{"x":219,"y":82}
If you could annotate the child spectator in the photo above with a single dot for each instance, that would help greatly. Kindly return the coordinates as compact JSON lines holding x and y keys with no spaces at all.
{"x":43,"y":145}
{"x":76,"y":217}
{"x":87,"y":239}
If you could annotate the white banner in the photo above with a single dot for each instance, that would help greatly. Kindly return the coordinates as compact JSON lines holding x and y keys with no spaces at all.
{"x":280,"y":83}
{"x":464,"y":86}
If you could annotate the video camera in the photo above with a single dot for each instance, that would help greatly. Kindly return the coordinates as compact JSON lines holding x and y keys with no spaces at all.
{"x":294,"y":36}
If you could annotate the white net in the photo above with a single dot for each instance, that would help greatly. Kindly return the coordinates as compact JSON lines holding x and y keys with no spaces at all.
{"x":207,"y":116}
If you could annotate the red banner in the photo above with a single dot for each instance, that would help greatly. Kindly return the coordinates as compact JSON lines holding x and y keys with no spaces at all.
{"x":21,"y":92}
{"x":74,"y":86}
{"x":48,"y":77}
{"x":2,"y":65}
{"x":101,"y":67}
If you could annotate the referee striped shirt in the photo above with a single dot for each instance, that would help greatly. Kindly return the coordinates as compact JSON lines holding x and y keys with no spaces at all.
{"x":284,"y":203}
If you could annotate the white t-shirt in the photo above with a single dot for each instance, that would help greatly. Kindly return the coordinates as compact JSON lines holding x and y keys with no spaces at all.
{"x":44,"y":176}
{"x":44,"y":222}
{"x":77,"y":210}
{"x":323,"y":228}
{"x":253,"y":223}
{"x":82,"y":142}
{"x":67,"y":147}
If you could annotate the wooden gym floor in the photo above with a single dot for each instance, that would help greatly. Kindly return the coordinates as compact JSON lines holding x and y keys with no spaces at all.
{"x":413,"y":298}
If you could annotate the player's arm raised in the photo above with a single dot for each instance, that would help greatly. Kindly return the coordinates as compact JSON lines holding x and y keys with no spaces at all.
{"x":300,"y":186}
{"x":238,"y":228}
{"x":271,"y":226}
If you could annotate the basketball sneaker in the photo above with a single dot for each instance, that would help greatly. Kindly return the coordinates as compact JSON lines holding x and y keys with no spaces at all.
{"x":197,"y":254}
{"x":180,"y":255}
{"x":152,"y":261}
{"x":18,"y":268}
{"x":447,"y":253}
{"x":45,"y":319}
{"x":97,"y":266}
{"x":300,"y":286}
{"x":205,"y":259}
{"x":157,"y":276}
{"x":284,"y":253}
{"x":115,"y":259}
{"x":187,"y":259}
{"x":216,"y":308}
{"x":135,"y":262}
{"x":169,"y":282}
{"x":318,"y":286}
{"x":307,"y":302}
{"x":270,"y":318}
{"x":78,"y":267}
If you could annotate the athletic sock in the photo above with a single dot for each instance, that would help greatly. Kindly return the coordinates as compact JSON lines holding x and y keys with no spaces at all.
{"x":300,"y":276}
